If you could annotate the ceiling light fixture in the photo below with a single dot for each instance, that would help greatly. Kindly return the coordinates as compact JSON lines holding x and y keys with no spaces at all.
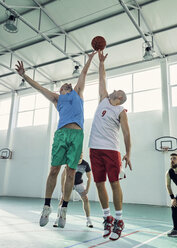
{"x":11,"y":23}
{"x":22,"y":84}
{"x":148,"y":54}
{"x":76,"y":71}
{"x":148,"y":51}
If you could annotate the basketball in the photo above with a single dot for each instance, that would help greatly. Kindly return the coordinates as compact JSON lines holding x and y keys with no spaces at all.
{"x":98,"y":42}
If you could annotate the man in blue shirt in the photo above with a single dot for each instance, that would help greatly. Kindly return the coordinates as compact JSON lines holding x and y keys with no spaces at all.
{"x":68,"y":139}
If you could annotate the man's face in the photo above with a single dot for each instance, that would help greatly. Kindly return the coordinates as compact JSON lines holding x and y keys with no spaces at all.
{"x":173,"y":161}
{"x":115,"y":94}
{"x":65,"y":88}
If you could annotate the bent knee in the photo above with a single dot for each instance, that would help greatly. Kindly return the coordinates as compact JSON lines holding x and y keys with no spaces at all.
{"x":85,"y":198}
{"x":70,"y":173}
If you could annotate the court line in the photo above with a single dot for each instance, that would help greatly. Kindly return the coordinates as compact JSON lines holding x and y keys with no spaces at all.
{"x":86,"y":241}
{"x":112,"y":241}
{"x":149,"y":240}
{"x":96,"y":239}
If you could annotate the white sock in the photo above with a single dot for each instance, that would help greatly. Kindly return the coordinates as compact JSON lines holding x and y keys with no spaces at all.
{"x":118,"y":215}
{"x":88,"y":218}
{"x":106,"y":212}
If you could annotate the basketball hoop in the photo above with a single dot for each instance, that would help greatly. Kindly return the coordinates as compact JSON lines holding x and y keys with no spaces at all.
{"x":166,"y":144}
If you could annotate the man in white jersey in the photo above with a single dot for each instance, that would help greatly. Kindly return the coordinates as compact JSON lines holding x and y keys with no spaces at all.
{"x":105,"y":150}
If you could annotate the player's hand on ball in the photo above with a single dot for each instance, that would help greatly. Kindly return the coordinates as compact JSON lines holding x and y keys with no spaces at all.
{"x":101,"y":56}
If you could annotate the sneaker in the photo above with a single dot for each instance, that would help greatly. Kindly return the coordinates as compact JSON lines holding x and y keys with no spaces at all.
{"x":116,"y":232}
{"x":56,"y":222}
{"x":89,"y":224}
{"x":108,"y":224}
{"x":45,"y":215}
{"x":62,"y":217}
{"x":172,"y":233}
{"x":57,"y":219}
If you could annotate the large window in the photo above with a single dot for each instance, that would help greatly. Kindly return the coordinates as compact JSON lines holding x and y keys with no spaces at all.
{"x":120,"y":83}
{"x":147,"y":90}
{"x":33,"y":110}
{"x":90,"y":100}
{"x":173,"y":83}
{"x":143,"y":90}
{"x":4,"y":113}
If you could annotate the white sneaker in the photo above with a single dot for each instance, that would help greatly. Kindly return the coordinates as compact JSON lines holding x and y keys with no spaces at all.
{"x":62,"y":217}
{"x":45,"y":215}
{"x":89,"y":224}
{"x":57,"y":219}
{"x":56,"y":222}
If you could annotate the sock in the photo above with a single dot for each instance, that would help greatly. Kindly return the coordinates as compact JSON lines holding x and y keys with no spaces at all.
{"x":64,"y":204}
{"x":106,"y":212}
{"x":47,"y":201}
{"x":88,"y":218}
{"x":118,"y":215}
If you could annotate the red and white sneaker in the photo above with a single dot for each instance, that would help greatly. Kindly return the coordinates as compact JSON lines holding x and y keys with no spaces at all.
{"x":108,"y":225}
{"x":117,"y":230}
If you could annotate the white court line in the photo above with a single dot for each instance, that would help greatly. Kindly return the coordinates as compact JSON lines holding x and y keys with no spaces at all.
{"x":149,"y":240}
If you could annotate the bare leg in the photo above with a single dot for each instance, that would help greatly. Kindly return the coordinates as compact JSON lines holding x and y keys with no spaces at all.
{"x":51,"y":180}
{"x":86,"y":205}
{"x":117,"y":195}
{"x":103,"y":195}
{"x":69,"y":183}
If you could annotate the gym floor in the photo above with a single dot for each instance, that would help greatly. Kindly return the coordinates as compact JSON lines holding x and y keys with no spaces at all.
{"x":145,"y":226}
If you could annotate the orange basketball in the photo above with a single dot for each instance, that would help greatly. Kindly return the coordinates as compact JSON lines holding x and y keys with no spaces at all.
{"x":98,"y":42}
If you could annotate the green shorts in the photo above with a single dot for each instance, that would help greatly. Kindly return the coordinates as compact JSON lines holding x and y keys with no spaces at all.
{"x":67,"y":147}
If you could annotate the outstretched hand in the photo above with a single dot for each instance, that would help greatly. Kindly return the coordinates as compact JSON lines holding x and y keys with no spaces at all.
{"x":101,"y":56}
{"x":127,"y":161}
{"x":20,"y":68}
{"x":92,"y":54}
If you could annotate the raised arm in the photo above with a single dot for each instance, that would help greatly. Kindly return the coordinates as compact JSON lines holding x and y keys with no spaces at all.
{"x":127,"y":141}
{"x":79,"y":88}
{"x":102,"y":76}
{"x":169,"y":189}
{"x":53,"y":97}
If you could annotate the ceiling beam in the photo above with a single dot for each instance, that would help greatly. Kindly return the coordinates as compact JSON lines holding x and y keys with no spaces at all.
{"x":28,"y":11}
{"x":20,"y":58}
{"x":148,"y":28}
{"x":138,"y":27}
{"x":36,"y":41}
{"x":44,"y":36}
{"x":7,"y":87}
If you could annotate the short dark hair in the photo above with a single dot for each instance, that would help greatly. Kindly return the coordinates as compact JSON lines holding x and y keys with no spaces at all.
{"x":173,"y":154}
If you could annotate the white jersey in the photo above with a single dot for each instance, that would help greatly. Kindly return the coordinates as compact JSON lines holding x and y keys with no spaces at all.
{"x":105,"y":127}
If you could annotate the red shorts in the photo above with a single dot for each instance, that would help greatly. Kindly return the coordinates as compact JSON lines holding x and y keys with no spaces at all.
{"x":105,"y":162}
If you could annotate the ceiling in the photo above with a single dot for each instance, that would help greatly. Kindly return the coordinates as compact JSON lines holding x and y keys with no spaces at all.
{"x":55,"y":35}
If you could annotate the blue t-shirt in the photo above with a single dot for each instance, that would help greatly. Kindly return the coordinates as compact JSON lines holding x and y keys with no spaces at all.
{"x":70,"y":108}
